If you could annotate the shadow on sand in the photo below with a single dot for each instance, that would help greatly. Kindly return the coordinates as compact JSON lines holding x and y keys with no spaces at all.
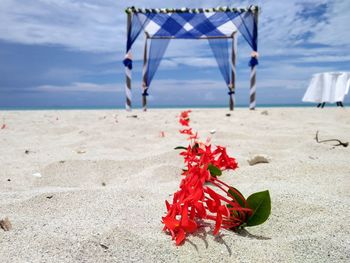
{"x":202,"y":233}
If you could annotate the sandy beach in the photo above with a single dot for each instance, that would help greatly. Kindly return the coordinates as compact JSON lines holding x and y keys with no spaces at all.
{"x":90,"y":185}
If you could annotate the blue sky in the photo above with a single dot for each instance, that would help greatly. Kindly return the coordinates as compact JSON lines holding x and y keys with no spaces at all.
{"x":65,"y":53}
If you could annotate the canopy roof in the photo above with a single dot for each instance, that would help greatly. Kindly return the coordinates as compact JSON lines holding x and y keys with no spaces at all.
{"x":133,"y":9}
{"x":188,"y":25}
{"x":200,"y":23}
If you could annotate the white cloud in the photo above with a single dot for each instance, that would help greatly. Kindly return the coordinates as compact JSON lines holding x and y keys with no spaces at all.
{"x":194,"y":84}
{"x":322,"y":58}
{"x":200,"y":62}
{"x":99,"y":26}
{"x":81,"y":25}
{"x":336,"y":30}
{"x":73,"y":24}
{"x":64,"y":73}
{"x":80,"y":87}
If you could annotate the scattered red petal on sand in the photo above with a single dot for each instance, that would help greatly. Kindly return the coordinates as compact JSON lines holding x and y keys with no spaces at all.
{"x":184,"y":119}
{"x":185,"y":114}
{"x":186,"y":131}
{"x":162,"y":134}
{"x":184,"y":122}
{"x":3,"y":126}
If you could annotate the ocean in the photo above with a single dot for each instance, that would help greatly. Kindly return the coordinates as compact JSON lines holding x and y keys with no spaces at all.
{"x":299,"y":105}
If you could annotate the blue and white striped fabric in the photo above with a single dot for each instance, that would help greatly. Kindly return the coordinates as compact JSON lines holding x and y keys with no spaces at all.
{"x":188,"y":25}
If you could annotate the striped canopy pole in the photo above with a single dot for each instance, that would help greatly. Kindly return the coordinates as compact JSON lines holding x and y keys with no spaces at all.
{"x":128,"y":68}
{"x":144,"y":77}
{"x":252,"y":93}
{"x":233,"y":76}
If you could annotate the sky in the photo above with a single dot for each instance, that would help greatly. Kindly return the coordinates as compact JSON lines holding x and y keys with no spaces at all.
{"x":68,"y":53}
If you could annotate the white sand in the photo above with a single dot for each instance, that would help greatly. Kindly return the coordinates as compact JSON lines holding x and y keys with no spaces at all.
{"x":309,"y":185}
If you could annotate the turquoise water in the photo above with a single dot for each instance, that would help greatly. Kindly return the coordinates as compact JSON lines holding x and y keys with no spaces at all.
{"x":308,"y":105}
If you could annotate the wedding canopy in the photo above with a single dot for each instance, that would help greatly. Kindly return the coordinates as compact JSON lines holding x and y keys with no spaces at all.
{"x":217,"y":25}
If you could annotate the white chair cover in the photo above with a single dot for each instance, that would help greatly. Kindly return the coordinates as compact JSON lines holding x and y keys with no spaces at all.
{"x":328,"y":87}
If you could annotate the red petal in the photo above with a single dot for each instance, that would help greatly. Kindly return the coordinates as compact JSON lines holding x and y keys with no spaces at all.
{"x":185,"y":114}
{"x":211,"y":205}
{"x":214,"y":195}
{"x":167,"y":205}
{"x":197,"y":194}
{"x":184,"y":215}
{"x":170,"y":223}
{"x":218,"y":224}
{"x":180,"y":237}
{"x":193,"y":213}
{"x":200,"y":210}
{"x":186,"y":131}
{"x":190,"y":227}
{"x":224,"y":210}
{"x":184,"y":122}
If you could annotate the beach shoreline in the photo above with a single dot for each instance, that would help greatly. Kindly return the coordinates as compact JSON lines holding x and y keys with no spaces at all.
{"x":89,"y":186}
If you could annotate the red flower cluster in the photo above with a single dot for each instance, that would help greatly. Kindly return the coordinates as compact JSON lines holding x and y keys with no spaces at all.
{"x":196,"y":200}
{"x":184,"y":118}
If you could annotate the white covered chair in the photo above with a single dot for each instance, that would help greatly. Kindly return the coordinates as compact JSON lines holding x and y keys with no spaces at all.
{"x":330,"y":87}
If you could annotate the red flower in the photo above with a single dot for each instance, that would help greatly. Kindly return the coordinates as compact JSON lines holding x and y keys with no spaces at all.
{"x":185,"y":114}
{"x":186,"y":131}
{"x":195,"y":200}
{"x":193,"y":136}
{"x":224,"y":161}
{"x":184,"y":118}
{"x":184,"y":122}
{"x":179,"y":227}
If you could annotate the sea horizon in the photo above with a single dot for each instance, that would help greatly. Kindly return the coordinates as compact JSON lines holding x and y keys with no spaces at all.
{"x":99,"y":107}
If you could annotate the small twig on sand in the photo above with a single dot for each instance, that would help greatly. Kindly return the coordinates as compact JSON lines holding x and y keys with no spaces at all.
{"x":345,"y":144}
{"x":104,"y":246}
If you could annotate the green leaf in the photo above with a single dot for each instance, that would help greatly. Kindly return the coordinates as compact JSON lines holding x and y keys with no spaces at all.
{"x":260,"y":203}
{"x":214,"y":171}
{"x":238,"y":198}
{"x":180,"y":148}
